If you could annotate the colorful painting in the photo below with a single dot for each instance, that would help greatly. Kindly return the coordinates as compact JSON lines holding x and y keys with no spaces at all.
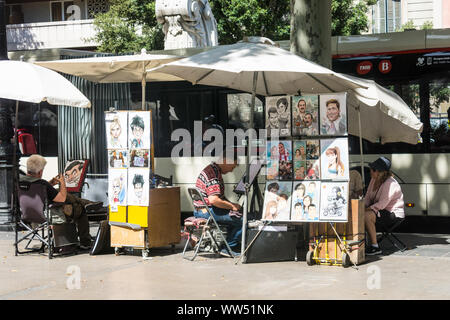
{"x":139,"y":158}
{"x":334,"y":159}
{"x":285,"y":160}
{"x":118,"y":158}
{"x":305,"y":115}
{"x":305,"y":201}
{"x":74,"y":174}
{"x":117,"y":187}
{"x":333,"y":114}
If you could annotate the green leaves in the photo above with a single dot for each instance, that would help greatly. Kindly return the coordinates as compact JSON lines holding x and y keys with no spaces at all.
{"x":131,"y":25}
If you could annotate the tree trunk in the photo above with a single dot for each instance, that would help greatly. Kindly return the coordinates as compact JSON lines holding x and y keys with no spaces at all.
{"x":311,"y":30}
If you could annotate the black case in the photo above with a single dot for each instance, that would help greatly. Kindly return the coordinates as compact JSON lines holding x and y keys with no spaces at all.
{"x":271,"y":246}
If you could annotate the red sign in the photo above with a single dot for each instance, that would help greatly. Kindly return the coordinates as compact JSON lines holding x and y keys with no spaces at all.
{"x":385,"y":66}
{"x":364,"y":67}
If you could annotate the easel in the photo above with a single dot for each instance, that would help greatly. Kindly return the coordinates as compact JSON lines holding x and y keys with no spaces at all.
{"x":257,"y":198}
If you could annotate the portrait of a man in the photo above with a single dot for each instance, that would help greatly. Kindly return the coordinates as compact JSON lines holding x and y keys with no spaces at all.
{"x":333,"y":113}
{"x":74,"y":173}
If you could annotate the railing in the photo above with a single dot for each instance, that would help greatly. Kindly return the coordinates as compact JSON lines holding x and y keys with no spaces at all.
{"x":49,"y":35}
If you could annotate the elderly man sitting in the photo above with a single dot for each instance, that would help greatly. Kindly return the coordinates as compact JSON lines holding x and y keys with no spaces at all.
{"x":77,"y":208}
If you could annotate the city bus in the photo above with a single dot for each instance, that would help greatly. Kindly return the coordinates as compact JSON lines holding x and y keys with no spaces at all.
{"x":416,"y":65}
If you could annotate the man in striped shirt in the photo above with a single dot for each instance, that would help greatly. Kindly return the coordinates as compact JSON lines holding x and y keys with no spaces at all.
{"x":211,"y":186}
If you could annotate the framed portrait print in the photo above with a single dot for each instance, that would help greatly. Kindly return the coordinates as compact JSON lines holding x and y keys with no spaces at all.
{"x":305,"y":115}
{"x":333,"y":114}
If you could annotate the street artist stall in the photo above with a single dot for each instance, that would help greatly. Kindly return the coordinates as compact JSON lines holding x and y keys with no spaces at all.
{"x":255,"y":66}
{"x":140,"y":215}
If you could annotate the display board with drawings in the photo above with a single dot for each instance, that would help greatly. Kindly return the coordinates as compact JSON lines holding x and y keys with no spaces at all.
{"x":313,"y":155}
{"x":129,"y":143}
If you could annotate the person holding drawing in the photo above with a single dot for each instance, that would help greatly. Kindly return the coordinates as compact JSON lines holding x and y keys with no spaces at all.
{"x":76,"y":208}
{"x":383,"y":201}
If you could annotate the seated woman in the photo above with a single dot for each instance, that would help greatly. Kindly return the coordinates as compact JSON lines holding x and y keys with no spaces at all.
{"x":383,"y":200}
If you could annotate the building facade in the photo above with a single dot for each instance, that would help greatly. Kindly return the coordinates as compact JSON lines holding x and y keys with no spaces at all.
{"x":391,"y":15}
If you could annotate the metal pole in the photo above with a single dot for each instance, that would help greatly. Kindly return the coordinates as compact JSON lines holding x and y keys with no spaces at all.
{"x":3,"y":40}
{"x":6,"y":133}
{"x":247,"y":171}
{"x":361,"y":146}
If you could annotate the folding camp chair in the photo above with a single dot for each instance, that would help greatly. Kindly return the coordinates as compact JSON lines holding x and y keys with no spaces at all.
{"x":387,"y":233}
{"x":35,"y":220}
{"x":211,"y":237}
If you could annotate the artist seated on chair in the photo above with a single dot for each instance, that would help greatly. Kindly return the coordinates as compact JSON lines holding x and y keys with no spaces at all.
{"x":211,"y":186}
{"x":35,"y":169}
{"x":383,"y":201}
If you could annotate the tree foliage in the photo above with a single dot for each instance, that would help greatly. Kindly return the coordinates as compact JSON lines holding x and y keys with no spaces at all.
{"x":349,"y":17}
{"x":130,"y":25}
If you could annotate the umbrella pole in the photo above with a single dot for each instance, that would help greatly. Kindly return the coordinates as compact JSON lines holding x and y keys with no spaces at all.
{"x":15,"y":166}
{"x":143,"y":84}
{"x":247,"y":170}
{"x":361,"y":147}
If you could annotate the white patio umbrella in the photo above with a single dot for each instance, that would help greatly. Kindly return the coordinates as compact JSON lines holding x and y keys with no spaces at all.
{"x":23,"y":81}
{"x":115,"y":69}
{"x":385,"y":117}
{"x":383,"y":114}
{"x":260,"y":69}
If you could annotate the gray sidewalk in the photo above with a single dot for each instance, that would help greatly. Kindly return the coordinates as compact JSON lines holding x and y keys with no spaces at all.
{"x":418,"y":273}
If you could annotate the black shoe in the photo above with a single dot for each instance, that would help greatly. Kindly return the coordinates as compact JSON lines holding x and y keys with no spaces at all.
{"x":370,"y":251}
{"x":93,"y":206}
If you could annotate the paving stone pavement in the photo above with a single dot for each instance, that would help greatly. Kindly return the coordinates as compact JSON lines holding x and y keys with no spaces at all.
{"x":418,"y":273}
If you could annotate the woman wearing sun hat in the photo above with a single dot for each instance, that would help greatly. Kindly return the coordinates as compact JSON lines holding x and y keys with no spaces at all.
{"x":383,"y":200}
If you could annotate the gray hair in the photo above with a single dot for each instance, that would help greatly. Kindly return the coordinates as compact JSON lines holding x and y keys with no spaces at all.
{"x":36,"y":163}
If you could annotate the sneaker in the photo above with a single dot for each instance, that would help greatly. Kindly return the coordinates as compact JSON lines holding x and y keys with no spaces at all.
{"x":373,"y":251}
{"x":233,"y":254}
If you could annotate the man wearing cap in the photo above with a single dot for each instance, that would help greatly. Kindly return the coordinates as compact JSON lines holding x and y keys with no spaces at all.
{"x":383,"y":201}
